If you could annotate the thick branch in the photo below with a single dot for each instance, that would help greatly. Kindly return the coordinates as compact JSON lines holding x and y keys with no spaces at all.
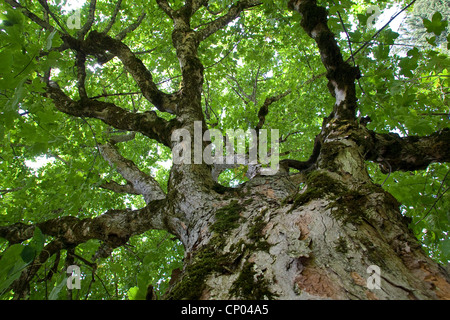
{"x":81,"y":74}
{"x":394,"y":153}
{"x":340,"y":74}
{"x":148,"y":123}
{"x":98,"y":43}
{"x":224,"y":20}
{"x":112,"y":226}
{"x":141,"y":182}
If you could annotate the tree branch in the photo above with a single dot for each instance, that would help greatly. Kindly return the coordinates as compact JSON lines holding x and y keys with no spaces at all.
{"x":98,"y":43}
{"x":408,"y":153}
{"x":164,"y":5}
{"x":341,"y":75}
{"x":308,"y":164}
{"x":224,"y":20}
{"x":119,"y":188}
{"x":113,"y":17}
{"x":81,"y":74}
{"x":90,"y":20}
{"x":121,"y":35}
{"x":44,"y":24}
{"x":148,"y":123}
{"x":113,"y":226}
{"x":140,"y":181}
{"x":264,"y":110}
{"x":44,"y":4}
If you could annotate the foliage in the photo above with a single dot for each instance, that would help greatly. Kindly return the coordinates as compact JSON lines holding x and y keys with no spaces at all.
{"x":426,"y":18}
{"x":261,"y":54}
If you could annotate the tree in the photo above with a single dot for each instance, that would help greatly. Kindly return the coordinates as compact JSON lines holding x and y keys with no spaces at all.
{"x":103,"y":103}
{"x":421,"y":20}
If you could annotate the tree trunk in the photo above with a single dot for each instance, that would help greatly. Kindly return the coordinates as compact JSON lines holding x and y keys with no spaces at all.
{"x":319,"y":234}
{"x":265,"y":240}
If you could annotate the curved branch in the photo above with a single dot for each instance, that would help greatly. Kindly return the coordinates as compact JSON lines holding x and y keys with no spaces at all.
{"x":408,"y":153}
{"x":341,"y":75}
{"x":147,"y":123}
{"x":114,"y":226}
{"x":224,"y":20}
{"x":141,"y":182}
{"x":97,"y":43}
{"x":308,"y":164}
{"x":264,"y":110}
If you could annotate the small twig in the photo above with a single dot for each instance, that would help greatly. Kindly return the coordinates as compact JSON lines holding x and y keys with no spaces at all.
{"x":379,"y":31}
{"x":44,"y":4}
{"x":96,"y":142}
{"x":113,"y":17}
{"x":121,"y":35}
{"x":348,"y":36}
{"x":5,"y":191}
{"x":389,"y":174}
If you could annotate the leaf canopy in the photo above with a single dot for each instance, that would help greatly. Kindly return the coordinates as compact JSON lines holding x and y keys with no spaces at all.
{"x":50,"y":164}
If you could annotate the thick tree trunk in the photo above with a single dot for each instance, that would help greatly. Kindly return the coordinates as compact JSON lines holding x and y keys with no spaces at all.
{"x":268,"y":240}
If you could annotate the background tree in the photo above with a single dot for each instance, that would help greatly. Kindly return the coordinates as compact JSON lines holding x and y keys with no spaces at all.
{"x":99,"y":103}
{"x":416,"y":32}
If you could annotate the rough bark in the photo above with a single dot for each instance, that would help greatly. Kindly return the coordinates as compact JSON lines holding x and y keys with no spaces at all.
{"x":266,"y":240}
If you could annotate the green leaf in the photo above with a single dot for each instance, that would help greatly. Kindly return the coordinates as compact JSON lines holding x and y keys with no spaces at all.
{"x":57,"y":289}
{"x":436,"y":25}
{"x":28,"y":254}
{"x":409,"y":63}
{"x":133,"y":293}
{"x":432,"y":41}
{"x":11,"y":266}
{"x":6,"y":57}
{"x":445,"y":248}
{"x":38,"y":240}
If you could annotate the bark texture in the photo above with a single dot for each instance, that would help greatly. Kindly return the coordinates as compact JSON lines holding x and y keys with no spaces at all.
{"x":270,"y":241}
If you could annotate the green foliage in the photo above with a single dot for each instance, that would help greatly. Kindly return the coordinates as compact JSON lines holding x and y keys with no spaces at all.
{"x":16,"y":257}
